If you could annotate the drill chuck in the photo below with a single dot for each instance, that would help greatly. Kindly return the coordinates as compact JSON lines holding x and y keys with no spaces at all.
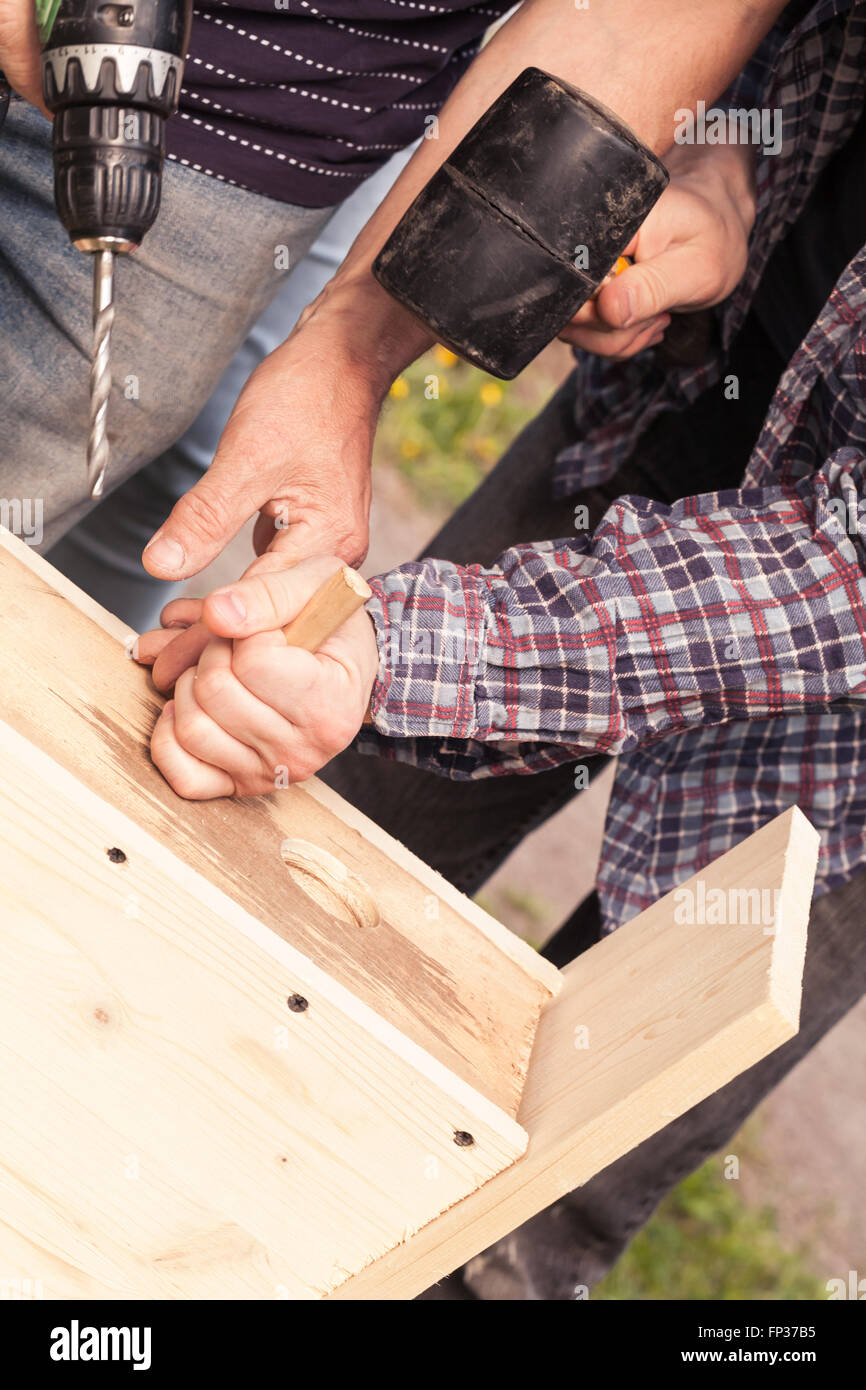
{"x":111,"y":75}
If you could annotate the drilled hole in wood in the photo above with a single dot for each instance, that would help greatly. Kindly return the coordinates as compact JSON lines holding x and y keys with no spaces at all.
{"x":116,"y":855}
{"x":330,"y":884}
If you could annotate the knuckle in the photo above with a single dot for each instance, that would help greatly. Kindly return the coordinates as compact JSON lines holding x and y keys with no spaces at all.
{"x":303,"y":765}
{"x":655,"y":288}
{"x":354,"y":546}
{"x":212,"y":686}
{"x":265,"y":599}
{"x":179,"y":776}
{"x":189,"y":725}
{"x":202,"y":513}
{"x":341,"y":733}
{"x":246,"y":664}
{"x":184,"y":782}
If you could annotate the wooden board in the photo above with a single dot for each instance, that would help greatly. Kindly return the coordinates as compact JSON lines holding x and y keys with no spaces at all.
{"x":672,"y":1012}
{"x":448,"y":976}
{"x":171,"y":1128}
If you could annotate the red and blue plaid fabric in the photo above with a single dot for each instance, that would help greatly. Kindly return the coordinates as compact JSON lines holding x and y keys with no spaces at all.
{"x":717,"y":645}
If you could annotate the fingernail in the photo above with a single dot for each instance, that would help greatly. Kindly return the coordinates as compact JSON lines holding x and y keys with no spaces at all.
{"x":229,"y":606}
{"x":166,"y":554}
{"x":630,"y":306}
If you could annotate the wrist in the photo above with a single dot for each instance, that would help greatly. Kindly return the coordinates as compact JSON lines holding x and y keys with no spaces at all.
{"x":377,"y":672}
{"x":371,"y":674}
{"x":372,"y":334}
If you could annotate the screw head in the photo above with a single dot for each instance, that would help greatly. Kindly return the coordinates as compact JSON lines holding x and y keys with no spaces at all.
{"x":116,"y":855}
{"x":297,"y":1003}
{"x":463,"y":1139}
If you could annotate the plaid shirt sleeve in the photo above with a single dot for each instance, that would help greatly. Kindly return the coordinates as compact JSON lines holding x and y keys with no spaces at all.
{"x":731,"y":605}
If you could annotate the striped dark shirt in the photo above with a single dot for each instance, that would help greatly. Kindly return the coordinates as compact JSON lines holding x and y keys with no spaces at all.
{"x":302,"y":101}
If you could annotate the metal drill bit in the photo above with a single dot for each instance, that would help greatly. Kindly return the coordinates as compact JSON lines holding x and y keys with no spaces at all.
{"x":100,"y":369}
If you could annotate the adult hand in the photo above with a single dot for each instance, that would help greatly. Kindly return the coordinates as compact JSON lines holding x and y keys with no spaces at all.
{"x":297,"y":447}
{"x":256,"y":713}
{"x":20,"y":60}
{"x":181,"y":639}
{"x":689,"y":253}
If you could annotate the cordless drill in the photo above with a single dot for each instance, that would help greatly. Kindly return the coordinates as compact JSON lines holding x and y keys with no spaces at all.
{"x":111,"y":75}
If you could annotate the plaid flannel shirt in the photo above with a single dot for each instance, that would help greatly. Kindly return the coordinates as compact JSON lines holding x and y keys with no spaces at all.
{"x":718,"y":645}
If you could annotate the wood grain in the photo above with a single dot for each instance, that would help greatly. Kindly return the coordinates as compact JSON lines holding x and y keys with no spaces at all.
{"x":449,"y":977}
{"x":171,"y":1127}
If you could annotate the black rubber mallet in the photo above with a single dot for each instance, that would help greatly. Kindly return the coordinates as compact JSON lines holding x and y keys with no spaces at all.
{"x":522,"y":223}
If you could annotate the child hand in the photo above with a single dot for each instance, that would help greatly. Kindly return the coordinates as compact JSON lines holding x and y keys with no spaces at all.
{"x":254,"y":713}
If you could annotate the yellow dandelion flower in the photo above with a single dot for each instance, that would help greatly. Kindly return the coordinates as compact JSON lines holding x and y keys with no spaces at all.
{"x":444,"y":356}
{"x":490,"y":393}
{"x":399,"y":389}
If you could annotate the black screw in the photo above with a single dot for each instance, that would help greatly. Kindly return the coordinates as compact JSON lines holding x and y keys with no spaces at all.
{"x":297,"y":1003}
{"x":463,"y":1139}
{"x":116,"y":855}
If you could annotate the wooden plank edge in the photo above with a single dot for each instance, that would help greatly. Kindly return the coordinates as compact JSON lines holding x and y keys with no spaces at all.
{"x":449,"y":1240}
{"x":485,"y":1216}
{"x":39,"y":566}
{"x":800,"y":861}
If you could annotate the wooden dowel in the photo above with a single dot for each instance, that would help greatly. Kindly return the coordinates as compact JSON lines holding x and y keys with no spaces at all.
{"x":331,"y":605}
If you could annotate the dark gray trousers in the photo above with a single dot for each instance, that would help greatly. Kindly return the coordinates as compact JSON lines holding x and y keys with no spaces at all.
{"x":466,"y":829}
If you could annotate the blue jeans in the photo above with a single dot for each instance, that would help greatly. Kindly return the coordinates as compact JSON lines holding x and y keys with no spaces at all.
{"x":198,"y":306}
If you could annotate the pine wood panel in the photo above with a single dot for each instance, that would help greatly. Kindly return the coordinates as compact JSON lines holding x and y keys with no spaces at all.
{"x":446,"y":974}
{"x":171,"y":1128}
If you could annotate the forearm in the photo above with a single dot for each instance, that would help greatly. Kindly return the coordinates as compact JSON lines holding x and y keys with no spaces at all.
{"x":644,"y":61}
{"x":723,"y":607}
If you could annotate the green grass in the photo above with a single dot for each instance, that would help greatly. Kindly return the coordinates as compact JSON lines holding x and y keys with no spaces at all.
{"x":520,"y":910}
{"x":446,"y":446}
{"x":704,"y":1243}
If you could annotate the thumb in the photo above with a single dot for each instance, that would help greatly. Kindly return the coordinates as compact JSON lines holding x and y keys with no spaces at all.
{"x":202,"y":523}
{"x":267,"y":597}
{"x":676,"y":279}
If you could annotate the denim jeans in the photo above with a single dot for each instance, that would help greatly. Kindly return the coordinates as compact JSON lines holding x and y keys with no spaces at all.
{"x":185,"y":302}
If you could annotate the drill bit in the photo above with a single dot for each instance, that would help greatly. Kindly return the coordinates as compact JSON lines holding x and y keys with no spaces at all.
{"x":100,"y":369}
